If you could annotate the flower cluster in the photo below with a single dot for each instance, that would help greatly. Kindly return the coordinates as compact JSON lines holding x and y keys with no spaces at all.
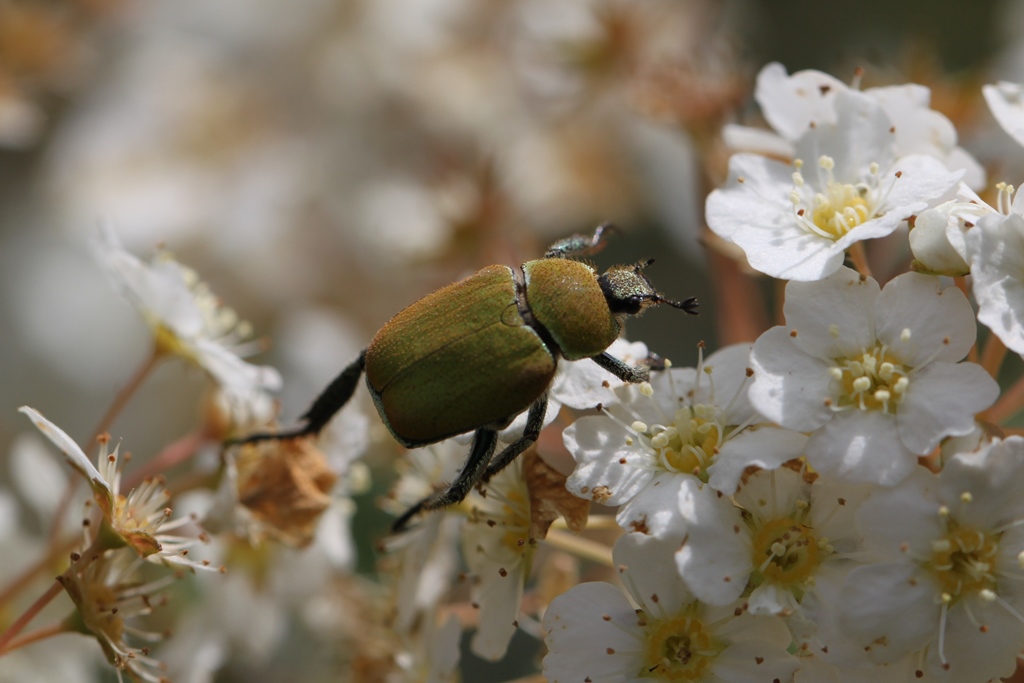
{"x":825,"y":490}
{"x":133,"y":528}
{"x":278,"y":490}
{"x":836,"y":491}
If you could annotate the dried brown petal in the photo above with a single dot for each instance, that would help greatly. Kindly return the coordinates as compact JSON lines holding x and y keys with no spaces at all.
{"x":549,"y":498}
{"x":286,"y":484}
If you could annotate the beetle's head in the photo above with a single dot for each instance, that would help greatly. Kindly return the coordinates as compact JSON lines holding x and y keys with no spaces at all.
{"x":629,"y":292}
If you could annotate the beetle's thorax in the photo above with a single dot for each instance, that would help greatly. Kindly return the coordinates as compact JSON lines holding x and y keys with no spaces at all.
{"x":564,"y":304}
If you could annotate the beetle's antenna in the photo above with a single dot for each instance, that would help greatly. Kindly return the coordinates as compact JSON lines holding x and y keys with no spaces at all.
{"x":689,"y":305}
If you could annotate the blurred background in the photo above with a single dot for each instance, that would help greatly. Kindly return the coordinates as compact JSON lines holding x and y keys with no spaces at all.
{"x":324,"y":163}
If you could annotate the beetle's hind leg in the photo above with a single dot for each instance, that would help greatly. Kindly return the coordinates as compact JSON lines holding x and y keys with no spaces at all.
{"x":325,"y":406}
{"x":481,"y":464}
{"x":484,"y":442}
{"x":534,"y":423}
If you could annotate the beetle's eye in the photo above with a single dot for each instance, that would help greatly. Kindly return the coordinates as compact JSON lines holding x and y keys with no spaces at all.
{"x":631,"y":306}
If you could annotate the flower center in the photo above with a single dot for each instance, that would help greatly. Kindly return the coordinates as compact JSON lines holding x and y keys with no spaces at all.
{"x":98,"y":614}
{"x":964,"y":561}
{"x":838,"y":209}
{"x":874,"y":381}
{"x":217,"y":322}
{"x":516,"y":521}
{"x":785,"y":551}
{"x":167,"y":341}
{"x":690,"y":442}
{"x":679,"y":649}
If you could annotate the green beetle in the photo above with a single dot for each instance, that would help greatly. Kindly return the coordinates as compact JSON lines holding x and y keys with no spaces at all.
{"x":477,"y":353}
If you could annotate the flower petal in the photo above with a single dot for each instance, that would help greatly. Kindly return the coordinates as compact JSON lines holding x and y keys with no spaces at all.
{"x":656,"y":512}
{"x":591,"y":632}
{"x":890,"y":609}
{"x":919,"y":320}
{"x":941,"y":401}
{"x":861,"y":446}
{"x":790,"y":387}
{"x":833,"y":318}
{"x":597,"y":444}
{"x":76,"y":458}
{"x":715,"y":559}
{"x":763,"y":446}
{"x":902,"y":522}
{"x":1006,"y":101}
{"x":995,"y":248}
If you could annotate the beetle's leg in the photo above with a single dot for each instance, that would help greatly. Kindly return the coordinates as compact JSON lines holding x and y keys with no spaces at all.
{"x":335,"y":396}
{"x":324,"y":407}
{"x":534,"y":423}
{"x":624,"y":371}
{"x":580,"y":245}
{"x":480,"y":454}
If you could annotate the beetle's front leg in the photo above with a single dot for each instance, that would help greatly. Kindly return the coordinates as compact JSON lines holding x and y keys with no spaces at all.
{"x":484,"y":442}
{"x":534,"y":423}
{"x":624,"y":371}
{"x":580,"y":245}
{"x":325,"y":406}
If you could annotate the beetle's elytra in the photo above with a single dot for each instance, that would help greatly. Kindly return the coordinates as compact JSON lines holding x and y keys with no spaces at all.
{"x":475,"y":354}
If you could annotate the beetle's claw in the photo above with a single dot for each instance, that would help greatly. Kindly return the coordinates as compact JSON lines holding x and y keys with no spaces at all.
{"x":689,"y":305}
{"x":400,"y":524}
{"x":654,"y":362}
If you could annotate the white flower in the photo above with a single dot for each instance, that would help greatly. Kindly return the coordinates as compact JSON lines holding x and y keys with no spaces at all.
{"x":785,"y":537}
{"x":995,"y":249}
{"x":141,"y":518}
{"x":424,"y":558}
{"x":498,"y":549}
{"x":187,"y":319}
{"x":792,"y":103}
{"x":814,"y":670}
{"x":687,"y":424}
{"x":1006,"y":102}
{"x":108,"y":594}
{"x":658,"y":631}
{"x":939,"y":237}
{"x":872,"y":374}
{"x":948,"y":583}
{"x":795,"y":222}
